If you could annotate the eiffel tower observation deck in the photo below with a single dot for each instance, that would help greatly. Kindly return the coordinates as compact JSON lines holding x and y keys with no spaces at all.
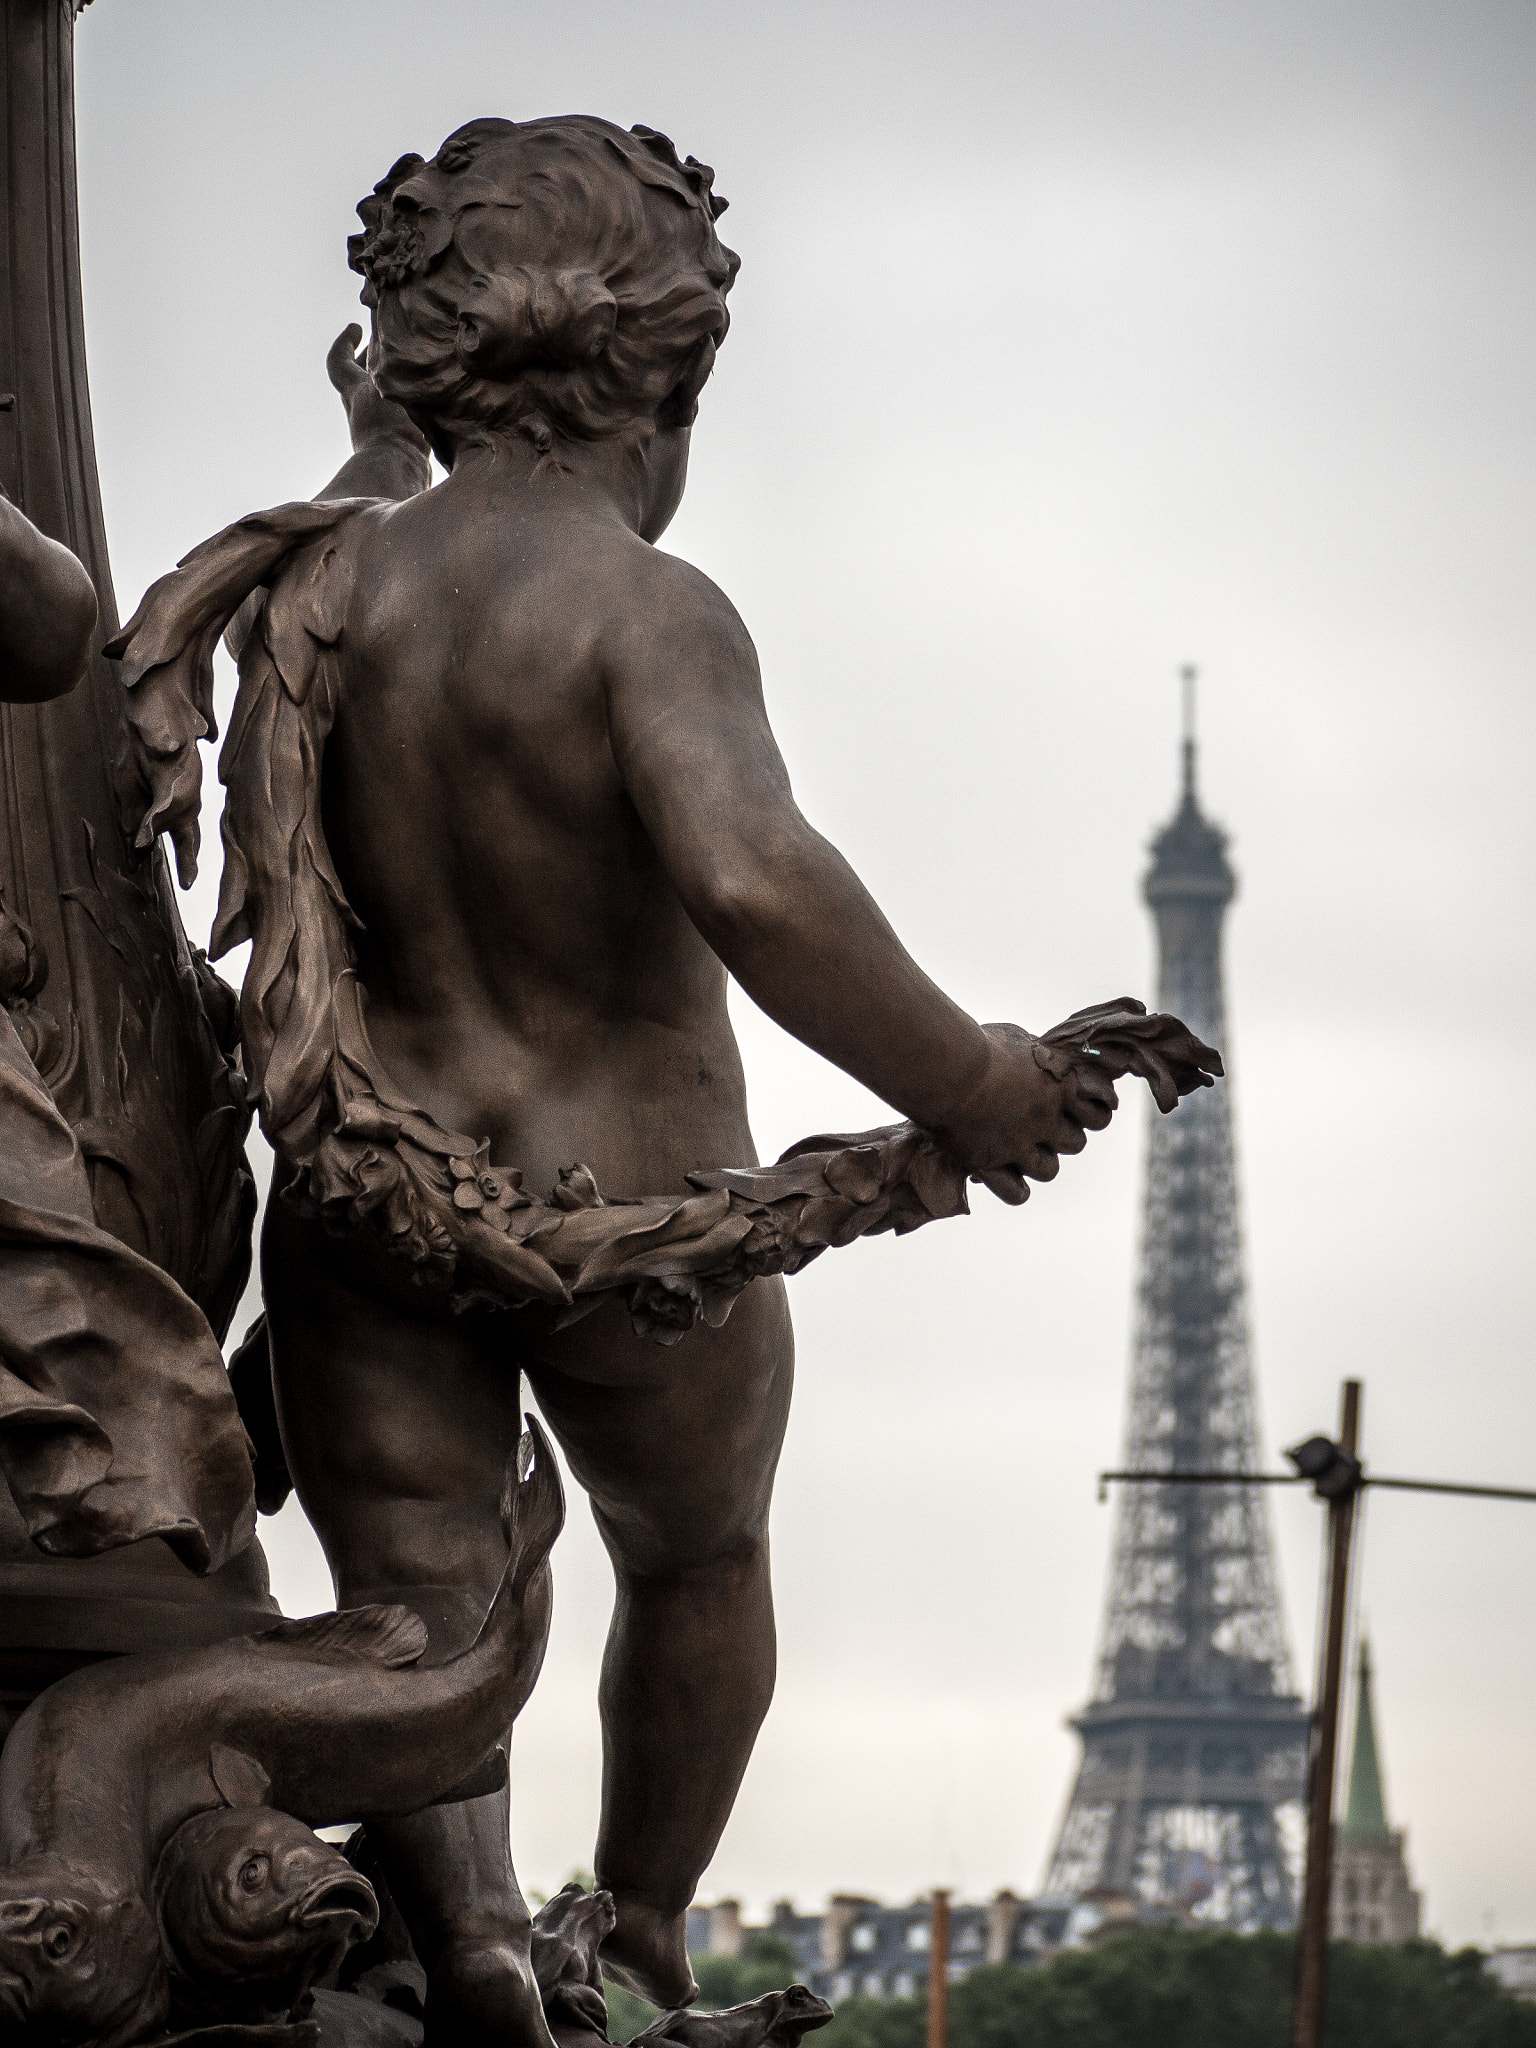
{"x":1195,"y":1742}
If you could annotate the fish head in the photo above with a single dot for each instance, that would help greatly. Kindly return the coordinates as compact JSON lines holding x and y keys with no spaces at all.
{"x":776,"y":2020}
{"x":80,"y":1957}
{"x":253,"y":1894}
{"x":795,"y":2011}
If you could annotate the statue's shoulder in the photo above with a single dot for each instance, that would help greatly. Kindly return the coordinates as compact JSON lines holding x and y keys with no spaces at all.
{"x":643,"y":590}
{"x":666,"y":624}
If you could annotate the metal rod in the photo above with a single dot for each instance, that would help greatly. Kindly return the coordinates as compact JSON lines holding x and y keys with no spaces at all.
{"x":1299,"y":1479}
{"x":1453,"y":1486}
{"x":1317,"y":1885}
{"x":938,"y":1970}
{"x":1208,"y":1478}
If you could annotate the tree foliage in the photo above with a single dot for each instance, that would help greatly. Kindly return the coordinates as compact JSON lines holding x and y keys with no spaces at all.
{"x":1161,"y":1988}
{"x":765,"y":1964}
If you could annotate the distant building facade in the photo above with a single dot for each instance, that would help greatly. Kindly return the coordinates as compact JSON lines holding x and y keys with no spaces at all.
{"x":860,"y":1948}
{"x":1373,"y":1899}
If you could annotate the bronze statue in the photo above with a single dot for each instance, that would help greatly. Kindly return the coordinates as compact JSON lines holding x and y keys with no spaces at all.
{"x":504,"y":810}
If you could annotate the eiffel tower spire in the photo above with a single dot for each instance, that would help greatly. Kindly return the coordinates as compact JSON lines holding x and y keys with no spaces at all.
{"x":1195,"y":1742}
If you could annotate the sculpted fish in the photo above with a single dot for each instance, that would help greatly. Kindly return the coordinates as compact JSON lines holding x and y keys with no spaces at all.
{"x":254,"y":1907}
{"x":79,"y":1957}
{"x":776,"y":2020}
{"x":335,"y":1715}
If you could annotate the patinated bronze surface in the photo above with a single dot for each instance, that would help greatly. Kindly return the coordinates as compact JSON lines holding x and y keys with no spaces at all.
{"x":504,"y":811}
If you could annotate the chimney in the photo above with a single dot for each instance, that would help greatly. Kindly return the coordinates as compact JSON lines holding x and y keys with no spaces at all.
{"x":1002,"y":1924}
{"x":725,"y":1937}
{"x":836,"y":1926}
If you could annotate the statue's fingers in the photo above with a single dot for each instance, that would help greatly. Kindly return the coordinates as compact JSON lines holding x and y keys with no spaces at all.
{"x":1163,"y":1082}
{"x":341,"y":364}
{"x":1095,"y":1100}
{"x":1006,"y":1182}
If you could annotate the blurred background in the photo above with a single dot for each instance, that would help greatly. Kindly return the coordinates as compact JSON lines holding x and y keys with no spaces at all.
{"x":1070,"y":343}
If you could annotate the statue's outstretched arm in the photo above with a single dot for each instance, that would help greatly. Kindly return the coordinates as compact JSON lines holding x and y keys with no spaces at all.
{"x":789,"y":917}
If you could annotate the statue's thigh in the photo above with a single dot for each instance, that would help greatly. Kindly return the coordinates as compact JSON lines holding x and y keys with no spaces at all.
{"x":398,"y":1419}
{"x":676,"y":1445}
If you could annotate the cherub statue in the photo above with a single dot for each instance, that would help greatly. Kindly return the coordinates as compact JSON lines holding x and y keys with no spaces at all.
{"x":504,"y":813}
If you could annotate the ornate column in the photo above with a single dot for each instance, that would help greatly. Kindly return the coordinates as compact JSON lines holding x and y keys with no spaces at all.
{"x":121,"y":1031}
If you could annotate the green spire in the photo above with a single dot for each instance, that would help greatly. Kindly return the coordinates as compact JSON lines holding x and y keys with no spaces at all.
{"x":1365,"y":1817}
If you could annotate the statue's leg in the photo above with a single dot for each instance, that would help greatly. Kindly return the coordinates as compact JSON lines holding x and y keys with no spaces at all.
{"x":677,"y":1448}
{"x":398,"y":1423}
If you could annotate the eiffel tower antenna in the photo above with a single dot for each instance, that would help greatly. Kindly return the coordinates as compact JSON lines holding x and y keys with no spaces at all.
{"x":1189,"y":675}
{"x":1195,"y":1743}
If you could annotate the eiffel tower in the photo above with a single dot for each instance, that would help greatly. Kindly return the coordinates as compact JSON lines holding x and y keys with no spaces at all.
{"x":1195,"y":1742}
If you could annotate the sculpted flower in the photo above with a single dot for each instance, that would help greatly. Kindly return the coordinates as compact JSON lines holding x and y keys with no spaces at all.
{"x":665,"y":1309}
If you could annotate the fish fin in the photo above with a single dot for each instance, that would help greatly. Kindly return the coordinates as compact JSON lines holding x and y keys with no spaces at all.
{"x":391,"y":1636}
{"x":532,"y":1504}
{"x":488,"y":1776}
{"x":240,"y":1779}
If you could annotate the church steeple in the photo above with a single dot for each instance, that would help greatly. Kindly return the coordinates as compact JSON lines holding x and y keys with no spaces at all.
{"x":1373,"y":1897}
{"x":1365,"y":1815}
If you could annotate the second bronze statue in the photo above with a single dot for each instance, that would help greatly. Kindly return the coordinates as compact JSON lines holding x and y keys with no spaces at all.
{"x":504,"y":813}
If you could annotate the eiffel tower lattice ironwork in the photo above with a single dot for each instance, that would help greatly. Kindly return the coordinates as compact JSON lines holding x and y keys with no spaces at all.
{"x":1195,"y":1743}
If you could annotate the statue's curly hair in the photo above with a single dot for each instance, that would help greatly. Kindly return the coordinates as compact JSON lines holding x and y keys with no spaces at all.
{"x":557,"y":277}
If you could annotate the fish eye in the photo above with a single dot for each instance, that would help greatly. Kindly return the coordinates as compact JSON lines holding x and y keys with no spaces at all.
{"x":58,"y":1941}
{"x":253,"y":1875}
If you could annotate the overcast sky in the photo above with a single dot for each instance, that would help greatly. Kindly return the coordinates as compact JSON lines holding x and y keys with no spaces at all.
{"x":1071,"y":342}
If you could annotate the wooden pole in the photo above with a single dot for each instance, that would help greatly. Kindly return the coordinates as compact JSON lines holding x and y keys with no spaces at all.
{"x":938,"y":1970}
{"x":1317,"y":1886}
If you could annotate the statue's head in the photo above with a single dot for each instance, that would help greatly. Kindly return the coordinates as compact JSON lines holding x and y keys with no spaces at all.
{"x":558,"y":278}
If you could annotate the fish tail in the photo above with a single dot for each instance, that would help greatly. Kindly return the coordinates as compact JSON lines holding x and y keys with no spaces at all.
{"x":532,"y":1506}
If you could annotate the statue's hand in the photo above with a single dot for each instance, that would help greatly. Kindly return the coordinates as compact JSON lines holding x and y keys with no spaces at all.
{"x":1024,"y":1114}
{"x":370,"y":417}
